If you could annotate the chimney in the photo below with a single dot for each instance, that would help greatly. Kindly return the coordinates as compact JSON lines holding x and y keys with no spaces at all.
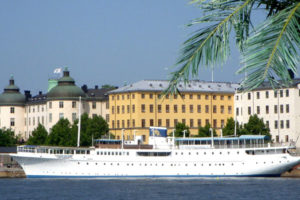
{"x":27,"y":94}
{"x":96,"y":87}
{"x":84,"y":88}
{"x":40,"y":92}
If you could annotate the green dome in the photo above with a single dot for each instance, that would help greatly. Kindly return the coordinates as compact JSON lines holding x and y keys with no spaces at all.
{"x":65,"y":89}
{"x":11,"y":95}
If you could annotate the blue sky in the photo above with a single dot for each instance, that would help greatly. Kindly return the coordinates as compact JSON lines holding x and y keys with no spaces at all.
{"x":101,"y":42}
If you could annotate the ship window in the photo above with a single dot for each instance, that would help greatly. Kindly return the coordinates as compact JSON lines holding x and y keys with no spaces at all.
{"x":88,"y":152}
{"x":120,"y":153}
{"x":108,"y":153}
{"x":105,"y":153}
{"x":112,"y":153}
{"x":127,"y":153}
{"x":98,"y":153}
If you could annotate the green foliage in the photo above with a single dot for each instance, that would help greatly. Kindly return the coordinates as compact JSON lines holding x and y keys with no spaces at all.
{"x":39,"y":136}
{"x":180,"y":127}
{"x":91,"y":128}
{"x":107,"y":86}
{"x":205,"y":132}
{"x":229,"y":128}
{"x":255,"y":126}
{"x":7,"y":138}
{"x":267,"y":50}
{"x":62,"y":134}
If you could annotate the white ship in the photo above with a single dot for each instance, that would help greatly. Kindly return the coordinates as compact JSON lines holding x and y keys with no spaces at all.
{"x":164,"y":156}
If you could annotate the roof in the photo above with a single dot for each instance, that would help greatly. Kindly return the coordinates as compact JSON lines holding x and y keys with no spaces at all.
{"x":11,"y":95}
{"x":267,"y":86}
{"x":191,"y":86}
{"x":98,"y":94}
{"x":65,"y":89}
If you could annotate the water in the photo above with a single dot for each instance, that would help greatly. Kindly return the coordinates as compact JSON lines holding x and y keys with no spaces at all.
{"x":144,"y":189}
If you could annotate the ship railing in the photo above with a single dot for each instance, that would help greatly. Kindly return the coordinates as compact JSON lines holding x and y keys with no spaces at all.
{"x":235,"y":146}
{"x":53,"y":150}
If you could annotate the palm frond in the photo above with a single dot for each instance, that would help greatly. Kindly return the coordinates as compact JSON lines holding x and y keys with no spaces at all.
{"x":273,"y":49}
{"x":209,"y":46}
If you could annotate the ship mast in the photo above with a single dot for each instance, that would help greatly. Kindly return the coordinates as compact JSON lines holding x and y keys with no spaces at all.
{"x":79,"y":122}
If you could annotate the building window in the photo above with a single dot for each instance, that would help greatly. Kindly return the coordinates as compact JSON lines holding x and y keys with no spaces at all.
{"x":199,"y":122}
{"x":175,"y":96}
{"x":214,"y":109}
{"x":159,"y":108}
{"x":222,"y":123}
{"x":167,"y":108}
{"x":258,"y":110}
{"x":159,"y":122}
{"x":237,"y":111}
{"x":281,"y":124}
{"x":167,"y":96}
{"x":191,"y":96}
{"x":151,"y":96}
{"x":61,"y":115}
{"x":175,"y":122}
{"x":107,"y":117}
{"x":276,"y":124}
{"x":118,"y":109}
{"x":128,"y":96}
{"x":118,"y":97}
{"x":143,"y":108}
{"x":287,"y":94}
{"x":113,"y":123}
{"x":94,"y":105}
{"x":191,"y":123}
{"x":123,"y":124}
{"x":215,"y":123}
{"x":183,"y":121}
{"x":12,"y":121}
{"x":267,"y":94}
{"x":267,"y":109}
{"x":183,"y":108}
{"x":133,"y":108}
{"x":281,"y":108}
{"x":151,"y":122}
{"x":50,"y":117}
{"x":191,"y":108}
{"x":206,"y":97}
{"x":249,"y":95}
{"x":167,"y":123}
{"x":123,"y":97}
{"x":151,"y":108}
{"x":128,"y":108}
{"x":222,"y":97}
{"x":133,"y":123}
{"x":112,"y":97}
{"x":33,"y":121}
{"x":112,"y":110}
{"x":287,"y":108}
{"x":275,"y":94}
{"x":206,"y":122}
{"x":229,"y":109}
{"x":12,"y":109}
{"x":61,"y":104}
{"x":73,"y":104}
{"x":214,"y":97}
{"x":275,"y":108}
{"x":281,"y":93}
{"x":175,"y":109}
{"x":229,"y":97}
{"x":249,"y":110}
{"x":73,"y":117}
{"x":143,"y":96}
{"x":198,"y":96}
{"x":287,"y":124}
{"x":50,"y":105}
{"x":123,"y":109}
{"x":199,"y":108}
{"x":206,"y":109}
{"x":183,"y":96}
{"x":267,"y":124}
{"x":286,"y":138}
{"x":118,"y":124}
{"x":143,"y":123}
{"x":133,"y":96}
{"x":43,"y":120}
{"x":257,"y":95}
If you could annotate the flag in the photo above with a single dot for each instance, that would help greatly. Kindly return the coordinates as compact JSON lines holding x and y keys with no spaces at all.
{"x":57,"y":71}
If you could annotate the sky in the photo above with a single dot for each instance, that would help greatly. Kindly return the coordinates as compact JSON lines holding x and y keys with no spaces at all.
{"x":101,"y":42}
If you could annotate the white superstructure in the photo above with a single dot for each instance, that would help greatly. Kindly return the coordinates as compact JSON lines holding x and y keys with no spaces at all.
{"x":163,"y":157}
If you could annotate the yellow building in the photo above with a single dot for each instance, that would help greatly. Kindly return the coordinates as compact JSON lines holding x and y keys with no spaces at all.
{"x":136,"y":107}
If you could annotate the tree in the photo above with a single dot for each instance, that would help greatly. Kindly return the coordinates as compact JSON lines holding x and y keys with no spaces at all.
{"x":268,"y":50}
{"x":205,"y":131}
{"x":107,"y":86}
{"x":180,"y":127}
{"x":229,"y":128}
{"x":62,"y":134}
{"x":256,"y":126}
{"x":7,"y":138}
{"x":39,"y":136}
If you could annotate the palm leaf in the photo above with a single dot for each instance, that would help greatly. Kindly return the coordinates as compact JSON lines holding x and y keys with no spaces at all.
{"x":273,"y":49}
{"x":209,"y":46}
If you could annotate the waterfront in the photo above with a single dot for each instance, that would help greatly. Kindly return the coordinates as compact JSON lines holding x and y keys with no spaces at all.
{"x":214,"y":188}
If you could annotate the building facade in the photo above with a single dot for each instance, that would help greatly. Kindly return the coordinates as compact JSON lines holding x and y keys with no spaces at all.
{"x":136,"y":107}
{"x":23,"y":113}
{"x":280,"y":110}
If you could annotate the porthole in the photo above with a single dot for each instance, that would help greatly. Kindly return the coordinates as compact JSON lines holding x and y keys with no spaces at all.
{"x":212,"y":153}
{"x":220,"y":153}
{"x":111,"y":164}
{"x":204,"y":153}
{"x":228,"y":152}
{"x":209,"y":164}
{"x":237,"y":152}
{"x":197,"y":153}
{"x":189,"y":153}
{"x":96,"y":163}
{"x":87,"y":163}
{"x":186,"y":165}
{"x":181,"y":153}
{"x":78,"y":163}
